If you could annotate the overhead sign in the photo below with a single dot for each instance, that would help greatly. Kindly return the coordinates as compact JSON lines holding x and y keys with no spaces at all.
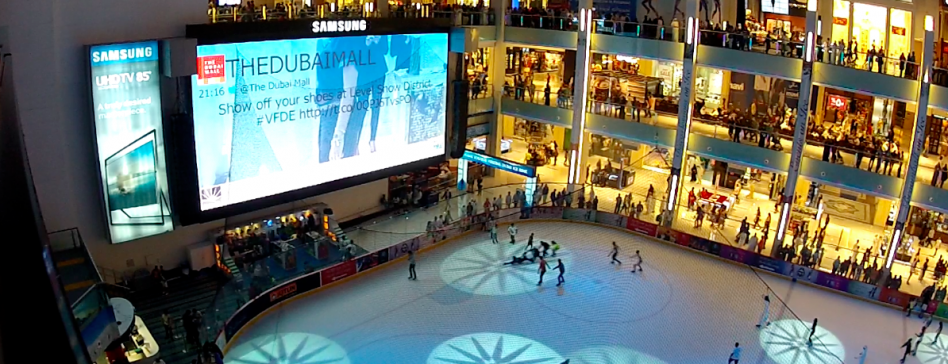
{"x":340,"y":26}
{"x":126,"y":97}
{"x":497,"y":163}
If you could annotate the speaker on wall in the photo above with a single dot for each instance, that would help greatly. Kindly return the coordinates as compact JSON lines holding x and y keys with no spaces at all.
{"x":459,"y":118}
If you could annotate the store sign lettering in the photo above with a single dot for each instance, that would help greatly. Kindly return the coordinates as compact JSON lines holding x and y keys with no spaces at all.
{"x":737,"y":86}
{"x":283,"y":292}
{"x":845,"y":21}
{"x":898,"y":31}
{"x":337,"y":26}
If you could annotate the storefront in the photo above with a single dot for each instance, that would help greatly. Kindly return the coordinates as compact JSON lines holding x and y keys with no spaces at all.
{"x":936,"y":141}
{"x":527,"y":60}
{"x":844,"y":108}
{"x":670,"y":75}
{"x":609,"y":162}
{"x":709,"y":86}
{"x":621,"y":80}
{"x":873,"y":27}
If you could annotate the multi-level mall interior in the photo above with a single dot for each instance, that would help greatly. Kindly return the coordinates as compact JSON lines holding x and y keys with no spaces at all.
{"x":650,"y":181}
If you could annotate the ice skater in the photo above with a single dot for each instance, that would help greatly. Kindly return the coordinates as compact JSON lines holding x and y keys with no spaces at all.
{"x":493,"y":233}
{"x":512,"y":230}
{"x":542,"y":270}
{"x":809,"y":341}
{"x":735,"y":355}
{"x":920,"y":336}
{"x":765,"y":316}
{"x":545,"y":246}
{"x":908,"y":349}
{"x":559,"y":279}
{"x":614,"y":253}
{"x":863,"y":355}
{"x":529,"y":243}
{"x":938,"y":333}
{"x":555,"y":248}
{"x":411,"y":266}
{"x":638,"y":262}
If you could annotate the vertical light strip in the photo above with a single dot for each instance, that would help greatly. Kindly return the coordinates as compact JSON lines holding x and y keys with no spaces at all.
{"x":783,"y":221}
{"x":809,"y":47}
{"x":895,"y":244}
{"x":691,"y":31}
{"x":671,"y":196}
{"x":584,"y":25}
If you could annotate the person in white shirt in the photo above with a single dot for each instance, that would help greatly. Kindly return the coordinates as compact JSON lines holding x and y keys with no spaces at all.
{"x":508,"y":200}
{"x":752,"y":243}
{"x":512,"y":230}
{"x":735,"y":355}
{"x":493,"y":232}
{"x":765,"y":316}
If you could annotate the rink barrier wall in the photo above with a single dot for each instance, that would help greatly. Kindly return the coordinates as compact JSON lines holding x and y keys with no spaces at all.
{"x":313,"y":282}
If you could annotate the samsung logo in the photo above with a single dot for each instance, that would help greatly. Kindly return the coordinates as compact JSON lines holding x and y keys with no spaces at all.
{"x":335,"y":26}
{"x":122,"y":54}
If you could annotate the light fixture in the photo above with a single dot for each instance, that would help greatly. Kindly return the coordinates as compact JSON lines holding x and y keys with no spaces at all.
{"x":811,"y":5}
{"x":929,"y":23}
{"x":893,"y":248}
{"x":691,"y":30}
{"x":783,"y":220}
{"x":671,"y":196}
{"x":809,"y":47}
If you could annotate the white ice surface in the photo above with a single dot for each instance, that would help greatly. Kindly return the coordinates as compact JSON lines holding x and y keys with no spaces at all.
{"x":684,"y":308}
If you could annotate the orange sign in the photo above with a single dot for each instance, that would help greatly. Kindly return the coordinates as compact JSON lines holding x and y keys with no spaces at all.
{"x":898,"y":31}
{"x":840,"y":21}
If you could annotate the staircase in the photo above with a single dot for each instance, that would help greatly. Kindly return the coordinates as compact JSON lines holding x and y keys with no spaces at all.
{"x":196,"y":292}
{"x":76,"y":269}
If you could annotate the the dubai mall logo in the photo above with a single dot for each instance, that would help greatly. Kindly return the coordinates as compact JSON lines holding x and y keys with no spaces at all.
{"x":211,"y":69}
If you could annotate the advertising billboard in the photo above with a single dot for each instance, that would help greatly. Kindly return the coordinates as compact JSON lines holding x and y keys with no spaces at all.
{"x":277,"y":116}
{"x":126,"y":97}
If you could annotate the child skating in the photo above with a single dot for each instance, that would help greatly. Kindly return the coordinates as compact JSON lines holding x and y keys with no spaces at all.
{"x":638,"y":262}
{"x":809,"y":341}
{"x":512,"y":230}
{"x":863,"y":355}
{"x":493,"y":233}
{"x":614,"y":253}
{"x":529,"y":243}
{"x":735,"y":355}
{"x":411,"y":266}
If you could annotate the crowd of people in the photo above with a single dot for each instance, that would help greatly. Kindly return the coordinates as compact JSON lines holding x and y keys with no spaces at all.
{"x":532,"y":17}
{"x":249,"y":11}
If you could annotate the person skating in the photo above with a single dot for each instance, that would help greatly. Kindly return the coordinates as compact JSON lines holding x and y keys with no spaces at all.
{"x":809,"y":341}
{"x":938,"y":333}
{"x":638,"y":262}
{"x":529,"y":243}
{"x":545,"y":246}
{"x":516,"y":260}
{"x":735,"y":357}
{"x":614,"y":253}
{"x":555,"y":247}
{"x":765,"y":316}
{"x":559,"y":279}
{"x":512,"y":230}
{"x":908,"y":349}
{"x":411,"y":266}
{"x":493,"y":232}
{"x":920,"y":336}
{"x":542,"y":270}
{"x":863,"y":355}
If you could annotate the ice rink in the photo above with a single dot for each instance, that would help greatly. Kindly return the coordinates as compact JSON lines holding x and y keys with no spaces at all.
{"x":466,"y":307}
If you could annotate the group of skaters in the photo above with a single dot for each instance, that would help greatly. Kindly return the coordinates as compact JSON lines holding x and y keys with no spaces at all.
{"x":533,"y":254}
{"x":764,"y":322}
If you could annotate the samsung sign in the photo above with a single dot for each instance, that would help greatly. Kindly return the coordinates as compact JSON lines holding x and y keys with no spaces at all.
{"x":339,"y":26}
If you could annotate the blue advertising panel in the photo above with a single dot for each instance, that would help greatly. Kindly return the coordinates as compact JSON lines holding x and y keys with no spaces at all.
{"x":497,"y":163}
{"x":126,"y":97}
{"x":273,"y":117}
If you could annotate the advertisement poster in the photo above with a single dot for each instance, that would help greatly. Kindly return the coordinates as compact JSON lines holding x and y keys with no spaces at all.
{"x":641,"y":227}
{"x":579,"y":215}
{"x":673,"y":236}
{"x":403,"y":248}
{"x":802,"y":273}
{"x":547,"y":212}
{"x":126,"y":97}
{"x":773,"y":265}
{"x":277,"y":116}
{"x":372,"y":260}
{"x":863,"y":290}
{"x":705,"y":245}
{"x":832,"y":281}
{"x":738,"y":255}
{"x":894,"y":297}
{"x":338,"y":271}
{"x":606,"y":218}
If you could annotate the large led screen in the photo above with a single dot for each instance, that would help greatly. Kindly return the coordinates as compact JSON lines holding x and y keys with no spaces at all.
{"x":277,"y":116}
{"x":126,"y":96}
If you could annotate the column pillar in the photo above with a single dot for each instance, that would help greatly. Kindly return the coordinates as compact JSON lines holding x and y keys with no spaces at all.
{"x":580,"y":93}
{"x":799,"y":130}
{"x":685,"y":106}
{"x":918,"y":142}
{"x":495,"y":76}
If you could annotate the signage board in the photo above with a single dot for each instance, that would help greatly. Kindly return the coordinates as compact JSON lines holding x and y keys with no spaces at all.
{"x":497,"y":163}
{"x":126,"y":104}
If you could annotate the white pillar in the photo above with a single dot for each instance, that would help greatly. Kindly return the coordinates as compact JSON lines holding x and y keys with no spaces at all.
{"x":580,"y":93}
{"x":685,"y":107}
